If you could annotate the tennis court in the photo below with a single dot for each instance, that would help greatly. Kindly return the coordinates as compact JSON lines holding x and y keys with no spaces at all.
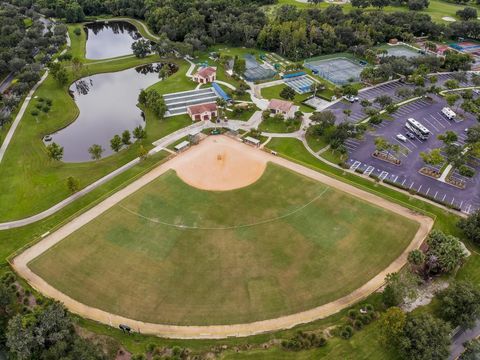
{"x":254,"y":71}
{"x":469,"y":47}
{"x":339,"y":70}
{"x":301,"y":84}
{"x":404,"y":51}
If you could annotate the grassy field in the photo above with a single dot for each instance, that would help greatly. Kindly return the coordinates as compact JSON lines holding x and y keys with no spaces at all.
{"x":273,"y":125}
{"x":437,"y":8}
{"x":201,"y":276}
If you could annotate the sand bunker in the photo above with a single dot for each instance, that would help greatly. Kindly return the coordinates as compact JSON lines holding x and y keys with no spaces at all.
{"x":220,"y":164}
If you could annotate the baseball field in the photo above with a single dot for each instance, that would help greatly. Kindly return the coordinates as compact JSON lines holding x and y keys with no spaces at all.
{"x":172,"y":253}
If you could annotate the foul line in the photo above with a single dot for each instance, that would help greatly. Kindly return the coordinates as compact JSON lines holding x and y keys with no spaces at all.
{"x":187,"y":227}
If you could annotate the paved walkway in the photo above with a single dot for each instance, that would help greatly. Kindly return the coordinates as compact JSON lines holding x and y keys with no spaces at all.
{"x":217,"y":331}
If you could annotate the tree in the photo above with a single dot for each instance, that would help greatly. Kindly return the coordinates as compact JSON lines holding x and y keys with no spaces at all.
{"x":392,"y":323}
{"x":141,"y":48}
{"x":61,"y":76}
{"x":460,"y":304}
{"x":467,"y":13}
{"x":55,"y":151}
{"x":448,"y":137}
{"x":452,"y":99}
{"x":472,"y":350}
{"x":95,"y":151}
{"x":221,"y":104}
{"x":116,"y":143}
{"x":433,"y":157}
{"x":347,"y":113}
{"x":398,"y":287}
{"x":287,"y":93}
{"x":126,"y":138}
{"x":424,"y":338}
{"x":239,"y":66}
{"x":445,"y":252}
{"x":416,"y":257}
{"x":404,"y":92}
{"x":383,"y":100}
{"x":73,"y":184}
{"x":382,"y":145}
{"x":417,"y":5}
{"x":154,"y":102}
{"x":471,"y":227}
{"x":139,"y":133}
{"x":142,"y":153}
{"x":350,"y":90}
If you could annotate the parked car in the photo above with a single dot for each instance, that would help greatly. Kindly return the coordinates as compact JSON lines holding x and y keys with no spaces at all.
{"x":410,"y":135}
{"x":351,"y":98}
{"x":401,"y":138}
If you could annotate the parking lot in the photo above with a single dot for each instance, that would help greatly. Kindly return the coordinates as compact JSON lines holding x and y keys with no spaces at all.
{"x":407,"y":173}
{"x":370,"y":94}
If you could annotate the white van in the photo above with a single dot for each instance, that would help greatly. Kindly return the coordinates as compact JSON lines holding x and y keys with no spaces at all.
{"x":448,"y":113}
{"x":401,"y":138}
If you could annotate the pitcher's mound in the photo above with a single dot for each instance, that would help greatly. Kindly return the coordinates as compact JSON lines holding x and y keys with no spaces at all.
{"x":219,"y":163}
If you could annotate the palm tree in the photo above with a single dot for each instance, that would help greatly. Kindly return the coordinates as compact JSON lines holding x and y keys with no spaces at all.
{"x":221,"y":103}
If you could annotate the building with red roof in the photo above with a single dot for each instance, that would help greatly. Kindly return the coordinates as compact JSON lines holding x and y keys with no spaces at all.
{"x":203,"y":111}
{"x":205,"y":75}
{"x":282,"y":107}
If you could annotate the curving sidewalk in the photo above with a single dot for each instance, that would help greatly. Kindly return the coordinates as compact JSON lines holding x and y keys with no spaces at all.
{"x":20,"y":263}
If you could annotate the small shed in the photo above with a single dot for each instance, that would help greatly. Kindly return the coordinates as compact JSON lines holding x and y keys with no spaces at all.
{"x":184,"y":145}
{"x":251,"y":141}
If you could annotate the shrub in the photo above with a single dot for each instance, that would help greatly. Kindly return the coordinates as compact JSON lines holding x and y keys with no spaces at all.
{"x":48,"y":102}
{"x":26,"y":301}
{"x":352,"y":314}
{"x":358,"y":324}
{"x":304,"y":341}
{"x":77,"y":31}
{"x":369,"y":307}
{"x":8,"y":278}
{"x":467,"y":171}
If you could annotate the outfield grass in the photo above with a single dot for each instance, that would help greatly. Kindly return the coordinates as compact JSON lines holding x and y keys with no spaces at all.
{"x":200,"y":276}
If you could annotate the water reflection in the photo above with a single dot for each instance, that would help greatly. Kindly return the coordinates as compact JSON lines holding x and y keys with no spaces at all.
{"x":112,"y":39}
{"x":108,"y":106}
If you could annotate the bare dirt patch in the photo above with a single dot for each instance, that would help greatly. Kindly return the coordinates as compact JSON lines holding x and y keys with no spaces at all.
{"x":220,"y":164}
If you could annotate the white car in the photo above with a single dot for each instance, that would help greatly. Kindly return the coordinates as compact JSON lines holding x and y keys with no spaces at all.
{"x":449,"y":113}
{"x":351,"y":98}
{"x":401,"y":138}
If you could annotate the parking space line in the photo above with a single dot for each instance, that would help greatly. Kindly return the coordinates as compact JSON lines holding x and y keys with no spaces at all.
{"x":355,"y":165}
{"x":444,"y":196}
{"x":383,"y":175}
{"x":427,"y":191}
{"x":452,"y":201}
{"x":412,"y":185}
{"x":419,"y":188}
{"x":435,"y":195}
{"x":402,"y":144}
{"x":411,"y":142}
{"x":404,"y":181}
{"x":439,"y":123}
{"x":461,"y":204}
{"x":431,"y":124}
{"x":369,"y":170}
{"x":395,"y":179}
{"x":468,"y":210}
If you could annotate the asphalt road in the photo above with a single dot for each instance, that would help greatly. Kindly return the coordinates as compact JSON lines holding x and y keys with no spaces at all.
{"x":456,"y":349}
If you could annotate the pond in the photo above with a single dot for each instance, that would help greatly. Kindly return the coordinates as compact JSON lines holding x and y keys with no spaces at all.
{"x":110,"y":39}
{"x":108,"y":106}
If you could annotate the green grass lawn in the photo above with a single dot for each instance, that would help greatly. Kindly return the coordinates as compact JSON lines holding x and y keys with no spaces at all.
{"x":273,"y":125}
{"x":316,"y":143}
{"x":273,"y":92}
{"x":200,"y":276}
